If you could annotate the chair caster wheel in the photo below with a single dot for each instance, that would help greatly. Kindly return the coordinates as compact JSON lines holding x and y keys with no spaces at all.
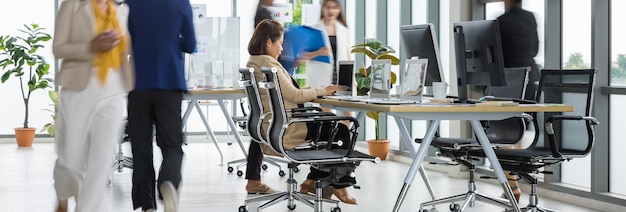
{"x":291,"y":207}
{"x":296,"y":170}
{"x":264,"y":167}
{"x":229,"y":144}
{"x":335,"y":209}
{"x":424,"y":210}
{"x":242,"y":208}
{"x":455,"y":207}
{"x":239,"y":173}
{"x":281,"y":173}
{"x":230,"y":169}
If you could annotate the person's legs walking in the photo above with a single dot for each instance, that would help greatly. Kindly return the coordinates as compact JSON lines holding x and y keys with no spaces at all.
{"x":104,"y":133}
{"x":70,"y":147}
{"x":169,"y":138}
{"x":140,"y":119}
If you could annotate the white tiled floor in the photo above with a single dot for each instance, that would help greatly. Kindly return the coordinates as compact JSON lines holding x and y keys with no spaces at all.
{"x":26,"y":183}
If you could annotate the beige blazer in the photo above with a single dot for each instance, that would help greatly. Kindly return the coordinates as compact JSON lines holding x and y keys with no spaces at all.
{"x":74,"y":30}
{"x":292,"y":96}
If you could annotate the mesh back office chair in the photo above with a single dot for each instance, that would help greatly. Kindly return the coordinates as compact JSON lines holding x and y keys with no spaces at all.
{"x":321,"y":155}
{"x":244,"y":122}
{"x":569,"y":135}
{"x":253,"y":126}
{"x":503,"y":132}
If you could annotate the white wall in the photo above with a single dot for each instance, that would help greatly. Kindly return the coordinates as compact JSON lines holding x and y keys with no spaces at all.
{"x":12,"y":109}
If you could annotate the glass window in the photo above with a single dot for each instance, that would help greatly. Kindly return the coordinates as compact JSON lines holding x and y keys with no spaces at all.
{"x":618,"y":45}
{"x":576,"y":34}
{"x":12,"y":110}
{"x":618,"y":77}
{"x":393,"y":40}
{"x":419,"y":11}
{"x":617,"y":146}
{"x":576,"y":54}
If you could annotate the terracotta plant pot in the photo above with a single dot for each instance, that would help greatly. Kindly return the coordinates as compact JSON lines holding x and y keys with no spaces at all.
{"x":378,"y":148}
{"x":24,"y":136}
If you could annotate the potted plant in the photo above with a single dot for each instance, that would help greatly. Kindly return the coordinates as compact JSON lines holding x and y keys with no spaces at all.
{"x":375,"y":50}
{"x":50,"y":127}
{"x":19,"y":59}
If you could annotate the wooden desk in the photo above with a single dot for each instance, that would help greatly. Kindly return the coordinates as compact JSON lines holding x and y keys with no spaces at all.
{"x":221,"y":95}
{"x":437,"y":112}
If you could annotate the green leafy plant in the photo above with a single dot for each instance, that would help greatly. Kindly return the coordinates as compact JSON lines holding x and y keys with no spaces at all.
{"x":375,"y":50}
{"x":50,"y":127}
{"x":19,"y":58}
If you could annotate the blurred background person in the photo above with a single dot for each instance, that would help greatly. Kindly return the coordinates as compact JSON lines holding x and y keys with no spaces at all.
{"x":520,"y":44}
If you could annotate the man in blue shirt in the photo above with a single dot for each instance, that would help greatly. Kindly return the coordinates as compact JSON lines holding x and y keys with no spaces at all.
{"x":161,"y":32}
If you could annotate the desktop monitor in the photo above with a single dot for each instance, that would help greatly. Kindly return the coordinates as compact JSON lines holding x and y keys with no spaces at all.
{"x":421,"y":41}
{"x":478,"y":53}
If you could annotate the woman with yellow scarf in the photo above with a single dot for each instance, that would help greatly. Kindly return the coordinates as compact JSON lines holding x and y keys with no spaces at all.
{"x":91,"y":39}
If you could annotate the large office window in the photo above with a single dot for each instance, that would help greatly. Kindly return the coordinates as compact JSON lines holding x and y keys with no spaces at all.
{"x":393,"y":40}
{"x":618,"y":77}
{"x":576,"y":54}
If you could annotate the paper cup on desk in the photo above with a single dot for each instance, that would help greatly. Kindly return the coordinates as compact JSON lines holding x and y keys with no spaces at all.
{"x":440,"y":90}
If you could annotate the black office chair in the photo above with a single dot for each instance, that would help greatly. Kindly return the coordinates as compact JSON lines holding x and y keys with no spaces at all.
{"x":569,"y":135}
{"x":319,"y":154}
{"x":242,"y":121}
{"x":505,"y":132}
{"x":120,"y":162}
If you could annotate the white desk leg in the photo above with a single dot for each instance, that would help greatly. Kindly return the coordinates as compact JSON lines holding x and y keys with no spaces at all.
{"x":233,"y":128}
{"x":208,"y":129}
{"x":408,"y":143}
{"x":495,"y":163}
{"x":190,"y":107}
{"x":417,"y":162}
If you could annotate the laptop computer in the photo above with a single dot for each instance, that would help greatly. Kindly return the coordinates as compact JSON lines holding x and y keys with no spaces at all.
{"x":345,"y":78}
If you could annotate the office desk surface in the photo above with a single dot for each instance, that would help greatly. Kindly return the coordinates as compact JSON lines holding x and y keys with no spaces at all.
{"x":442,"y":108}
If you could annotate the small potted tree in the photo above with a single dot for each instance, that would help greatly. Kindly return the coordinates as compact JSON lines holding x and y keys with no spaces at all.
{"x":19,"y":59}
{"x":375,"y":50}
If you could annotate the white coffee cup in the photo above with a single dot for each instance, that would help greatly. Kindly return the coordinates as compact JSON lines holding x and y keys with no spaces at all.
{"x":440,"y":90}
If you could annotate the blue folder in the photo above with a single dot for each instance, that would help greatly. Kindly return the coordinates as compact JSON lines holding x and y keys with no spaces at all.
{"x":301,"y":39}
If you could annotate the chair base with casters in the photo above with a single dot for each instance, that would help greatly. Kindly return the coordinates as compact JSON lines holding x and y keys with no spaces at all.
{"x":120,"y":162}
{"x":469,"y":198}
{"x":292,"y":196}
{"x":533,"y":199}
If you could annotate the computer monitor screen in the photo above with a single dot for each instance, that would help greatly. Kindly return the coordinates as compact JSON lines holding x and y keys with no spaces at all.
{"x":478,"y":53}
{"x":421,"y":41}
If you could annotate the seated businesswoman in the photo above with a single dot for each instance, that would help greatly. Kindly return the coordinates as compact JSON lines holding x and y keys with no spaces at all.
{"x":265,"y":46}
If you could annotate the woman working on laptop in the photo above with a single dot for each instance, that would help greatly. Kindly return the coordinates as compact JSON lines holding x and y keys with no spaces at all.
{"x":265,"y":46}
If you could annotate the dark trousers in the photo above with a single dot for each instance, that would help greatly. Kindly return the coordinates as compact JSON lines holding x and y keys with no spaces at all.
{"x":160,"y":108}
{"x":324,"y":134}
{"x":254,"y":161}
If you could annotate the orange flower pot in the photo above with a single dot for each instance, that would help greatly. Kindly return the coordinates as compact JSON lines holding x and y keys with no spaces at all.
{"x":378,"y":148}
{"x":24,"y":136}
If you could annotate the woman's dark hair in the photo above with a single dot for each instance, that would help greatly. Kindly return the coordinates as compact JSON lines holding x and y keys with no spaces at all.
{"x":340,"y":17}
{"x":267,"y":29}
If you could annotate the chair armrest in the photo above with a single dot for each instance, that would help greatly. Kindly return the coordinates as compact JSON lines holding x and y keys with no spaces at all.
{"x":305,"y":109}
{"x":550,"y":129}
